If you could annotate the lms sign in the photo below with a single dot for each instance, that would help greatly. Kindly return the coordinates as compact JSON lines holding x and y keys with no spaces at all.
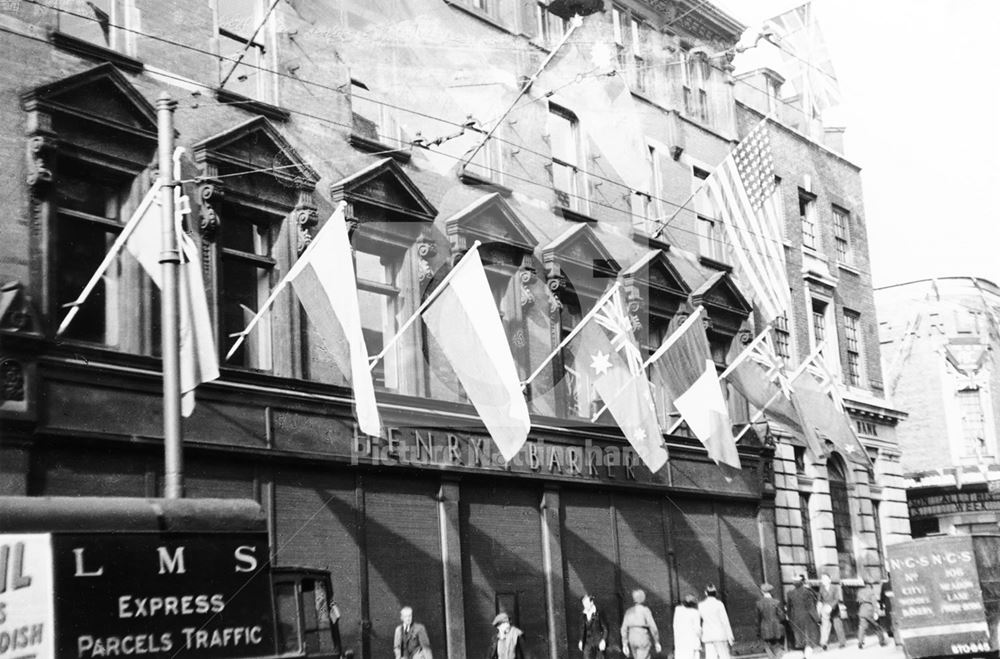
{"x":88,"y":595}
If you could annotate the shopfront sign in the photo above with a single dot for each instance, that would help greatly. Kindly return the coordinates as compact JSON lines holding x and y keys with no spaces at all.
{"x":939,"y":503}
{"x":87,"y":595}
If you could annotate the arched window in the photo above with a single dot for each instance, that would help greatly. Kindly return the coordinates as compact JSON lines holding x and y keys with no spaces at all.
{"x":840,"y":507}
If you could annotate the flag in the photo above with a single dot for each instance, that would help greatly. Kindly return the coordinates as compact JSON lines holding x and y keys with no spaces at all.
{"x":198,"y":360}
{"x":808,"y":67}
{"x":679,"y":362}
{"x":606,"y":355}
{"x":704,"y":409}
{"x":822,"y":412}
{"x":584,"y":76}
{"x":757,"y":374}
{"x":742,"y":192}
{"x":466,"y":324}
{"x":323,"y":278}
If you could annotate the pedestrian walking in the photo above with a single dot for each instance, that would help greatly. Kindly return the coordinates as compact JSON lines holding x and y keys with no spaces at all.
{"x":639,"y":632}
{"x":593,"y":630}
{"x":868,"y":613}
{"x":508,"y":643}
{"x":803,"y":618}
{"x":716,"y":632}
{"x":410,"y":639}
{"x":770,"y":622}
{"x":687,"y":629}
{"x":831,"y":601}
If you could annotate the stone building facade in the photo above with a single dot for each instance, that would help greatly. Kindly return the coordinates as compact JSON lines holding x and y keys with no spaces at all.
{"x":286,"y":109}
{"x":938,"y":341}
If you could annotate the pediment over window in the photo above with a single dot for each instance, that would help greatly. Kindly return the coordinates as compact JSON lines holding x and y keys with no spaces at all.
{"x":256,"y":145}
{"x":102,"y":96}
{"x":579,"y":248}
{"x":491,"y":220}
{"x":656,"y":271}
{"x":386,"y":187}
{"x":721,"y":292}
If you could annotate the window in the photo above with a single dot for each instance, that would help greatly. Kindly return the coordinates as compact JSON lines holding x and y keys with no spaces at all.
{"x":807,"y":219}
{"x":619,"y":22}
{"x":782,"y":337}
{"x":639,"y":30}
{"x":647,"y":209}
{"x":244,"y":32}
{"x":98,"y":22}
{"x":568,"y":179}
{"x":695,"y":72}
{"x":371,"y":118}
{"x":549,"y":27}
{"x":488,"y":161}
{"x":581,"y":397}
{"x":818,"y":315}
{"x":840,"y":508}
{"x":710,"y":239}
{"x":807,"y":541}
{"x":246,"y":265}
{"x":779,"y":205}
{"x":970,"y":407}
{"x":852,"y":340}
{"x":842,"y":234}
{"x":378,"y":299}
{"x":88,"y":203}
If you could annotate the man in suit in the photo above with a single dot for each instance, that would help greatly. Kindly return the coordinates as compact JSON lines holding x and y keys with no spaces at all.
{"x":803,"y":617}
{"x":410,"y":640}
{"x":831,"y":599}
{"x":593,"y":630}
{"x":716,"y":632}
{"x":770,"y":621}
{"x":868,"y":613}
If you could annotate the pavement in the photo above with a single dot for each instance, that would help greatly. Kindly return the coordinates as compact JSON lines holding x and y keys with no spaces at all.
{"x":872,"y":650}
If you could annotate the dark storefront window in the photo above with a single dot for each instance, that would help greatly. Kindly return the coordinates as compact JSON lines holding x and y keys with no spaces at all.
{"x":807,"y":541}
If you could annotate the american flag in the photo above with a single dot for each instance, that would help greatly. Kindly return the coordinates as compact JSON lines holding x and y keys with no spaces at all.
{"x":742,"y":192}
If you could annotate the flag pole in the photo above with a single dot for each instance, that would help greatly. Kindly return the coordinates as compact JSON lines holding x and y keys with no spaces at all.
{"x":740,"y":358}
{"x":671,"y":340}
{"x":173,"y":467}
{"x":426,"y":303}
{"x":576,"y":330}
{"x":116,"y":247}
{"x":280,"y":286}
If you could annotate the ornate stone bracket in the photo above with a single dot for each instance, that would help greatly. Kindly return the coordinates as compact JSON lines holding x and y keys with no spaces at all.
{"x":526,"y":276}
{"x":210,"y":196}
{"x":305,"y":215}
{"x":11,"y":381}
{"x":633,"y":302}
{"x":426,"y":250}
{"x":555,"y":286}
{"x":41,"y":148}
{"x":16,"y":311}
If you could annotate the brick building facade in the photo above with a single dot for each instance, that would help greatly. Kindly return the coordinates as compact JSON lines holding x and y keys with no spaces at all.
{"x":287,"y":109}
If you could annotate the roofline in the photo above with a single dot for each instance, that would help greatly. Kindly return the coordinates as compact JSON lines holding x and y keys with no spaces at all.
{"x":933,"y":279}
{"x":802,"y":136}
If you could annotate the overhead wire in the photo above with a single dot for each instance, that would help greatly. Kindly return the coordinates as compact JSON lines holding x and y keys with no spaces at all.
{"x":515,"y":145}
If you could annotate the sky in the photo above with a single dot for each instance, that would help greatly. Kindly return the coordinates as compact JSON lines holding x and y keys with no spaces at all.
{"x":921,"y":104}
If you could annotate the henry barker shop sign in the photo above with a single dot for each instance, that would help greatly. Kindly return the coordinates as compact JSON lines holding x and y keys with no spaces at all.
{"x":88,"y":595}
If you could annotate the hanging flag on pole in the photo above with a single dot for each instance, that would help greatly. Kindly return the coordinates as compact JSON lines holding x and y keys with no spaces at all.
{"x":821,"y":408}
{"x":198,"y":360}
{"x":679,"y":361}
{"x":606,"y":358}
{"x":757,"y":373}
{"x":324,"y":280}
{"x":464,"y":320}
{"x":742,"y":191}
{"x":809,"y":69}
{"x":704,"y":409}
